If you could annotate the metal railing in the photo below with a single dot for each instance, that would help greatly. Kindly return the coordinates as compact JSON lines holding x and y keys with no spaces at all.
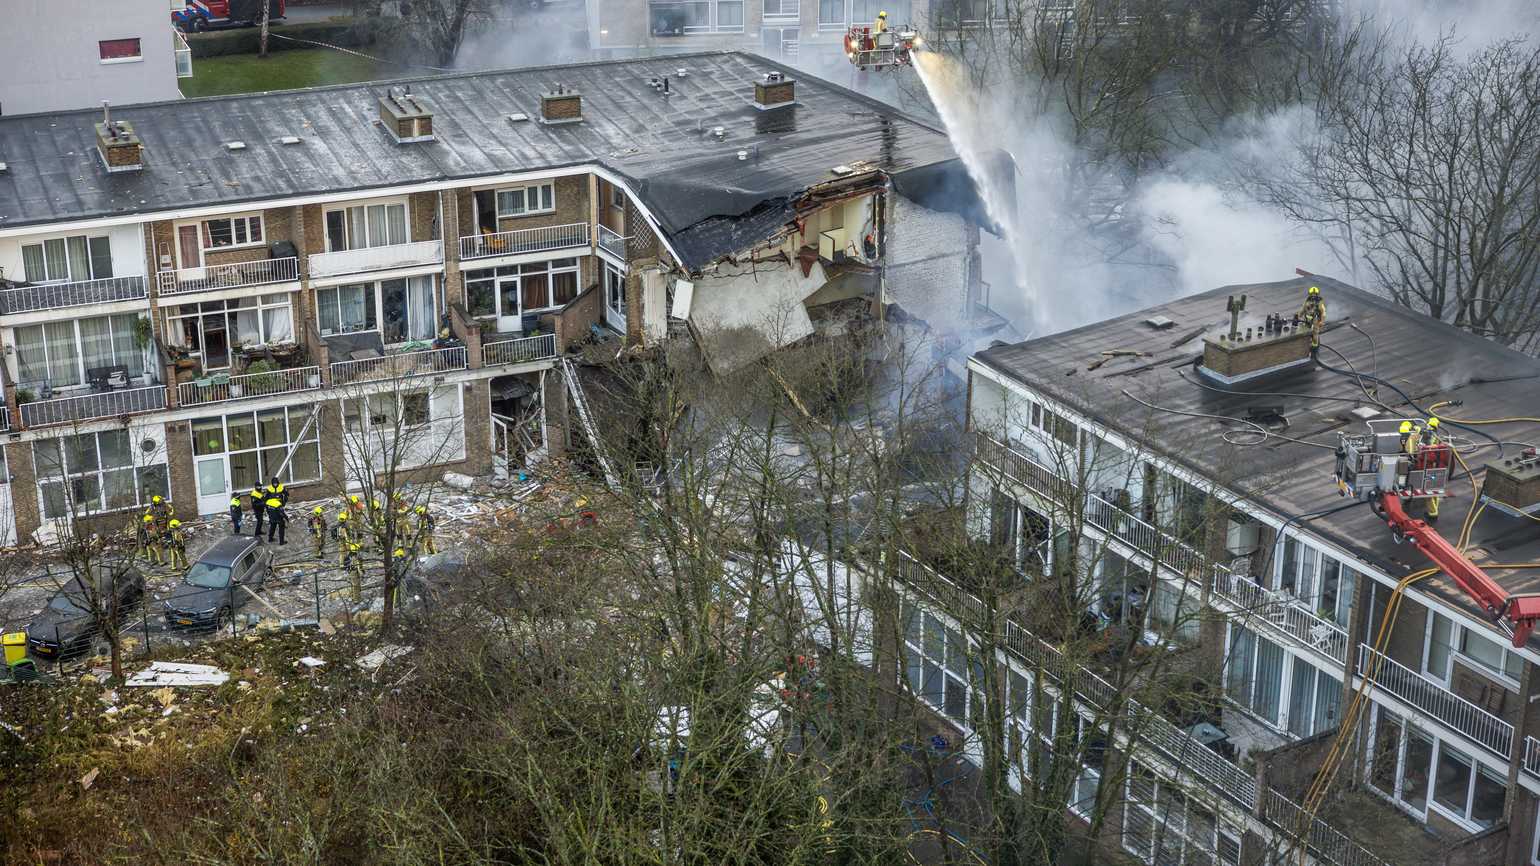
{"x":52,"y":296}
{"x":383,"y":258}
{"x":535,"y":240}
{"x":5,"y":417}
{"x":231,"y":276}
{"x":1283,"y":613}
{"x":519,"y":351}
{"x":401,"y":364}
{"x":183,"y":53}
{"x":89,"y":407}
{"x":1324,"y":842}
{"x":1480,"y":726}
{"x":1153,"y":729}
{"x":1532,"y":756}
{"x":249,"y":385}
{"x":612,"y":242}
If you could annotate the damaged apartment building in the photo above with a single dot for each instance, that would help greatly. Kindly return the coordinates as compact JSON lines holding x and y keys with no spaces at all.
{"x":196,"y":295}
{"x":1258,"y":512}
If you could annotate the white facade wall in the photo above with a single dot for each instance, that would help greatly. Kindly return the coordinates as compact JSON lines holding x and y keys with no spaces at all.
{"x":49,"y":57}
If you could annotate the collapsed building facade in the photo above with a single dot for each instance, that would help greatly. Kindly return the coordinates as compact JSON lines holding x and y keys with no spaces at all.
{"x":1182,"y":464}
{"x":200,"y":294}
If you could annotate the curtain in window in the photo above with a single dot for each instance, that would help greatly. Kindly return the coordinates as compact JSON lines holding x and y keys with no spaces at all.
{"x":422,"y":313}
{"x":248,"y":331}
{"x":1243,"y":645}
{"x":80,"y":258}
{"x":58,"y":263}
{"x":378,"y":234}
{"x":358,"y":232}
{"x":536,"y":290}
{"x":1301,"y":699}
{"x":1440,"y":642}
{"x":356,"y":307}
{"x":327,"y":308}
{"x":278,"y":324}
{"x":63,"y":354}
{"x":1328,"y":701}
{"x":33,"y":268}
{"x":31,"y":358}
{"x":101,"y":258}
{"x":396,"y":222}
{"x":96,"y":342}
{"x":565,"y":287}
{"x":1269,"y":686}
{"x":831,"y":11}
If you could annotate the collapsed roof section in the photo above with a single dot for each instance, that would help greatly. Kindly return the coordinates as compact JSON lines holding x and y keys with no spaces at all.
{"x":714,"y":168}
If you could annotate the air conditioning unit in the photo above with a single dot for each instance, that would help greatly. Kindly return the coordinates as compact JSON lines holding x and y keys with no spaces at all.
{"x":668,"y":22}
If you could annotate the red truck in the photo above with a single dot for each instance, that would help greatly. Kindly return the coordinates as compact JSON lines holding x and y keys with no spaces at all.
{"x":200,"y":15}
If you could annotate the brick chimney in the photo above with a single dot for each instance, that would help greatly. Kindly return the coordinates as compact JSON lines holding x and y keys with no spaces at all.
{"x":561,"y":105}
{"x":406,"y":117}
{"x":773,"y":90}
{"x":118,"y":145}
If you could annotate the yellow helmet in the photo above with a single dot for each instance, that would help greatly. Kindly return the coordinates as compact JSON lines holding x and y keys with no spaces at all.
{"x":1406,"y":426}
{"x":342,"y":516}
{"x":149,"y":518}
{"x":353,"y":546}
{"x":353,"y":498}
{"x":1433,"y":422}
{"x":422,"y":509}
{"x":882,"y":14}
{"x":316,"y":510}
{"x":174,"y":523}
{"x":1315,"y":290}
{"x":155,"y":499}
{"x":400,"y":552}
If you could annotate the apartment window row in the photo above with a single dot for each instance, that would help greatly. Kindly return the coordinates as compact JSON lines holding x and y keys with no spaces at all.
{"x":1448,"y":640}
{"x":1279,"y":687}
{"x":362,"y":226}
{"x":843,"y":13}
{"x":247,"y":448}
{"x":696,"y":16}
{"x":526,"y":200}
{"x":1422,"y":772}
{"x":70,"y":353}
{"x":1161,"y":824}
{"x":1031,"y":741}
{"x":70,"y":259}
{"x":94,"y":472}
{"x":1317,"y":578}
{"x":517,"y":290}
{"x":234,"y":231}
{"x":214,"y":330}
{"x":937,"y":665}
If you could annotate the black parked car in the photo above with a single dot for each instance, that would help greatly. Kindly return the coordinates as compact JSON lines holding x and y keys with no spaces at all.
{"x":66,"y":626}
{"x":215,"y":587}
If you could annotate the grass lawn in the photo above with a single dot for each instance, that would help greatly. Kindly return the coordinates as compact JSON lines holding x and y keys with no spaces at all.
{"x":282,"y":70}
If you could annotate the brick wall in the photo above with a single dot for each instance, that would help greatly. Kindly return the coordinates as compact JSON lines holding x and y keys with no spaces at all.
{"x":571,"y":207}
{"x":333,"y":464}
{"x":422,"y":211}
{"x":554,"y":394}
{"x":24,"y":502}
{"x":179,"y":458}
{"x":477,"y":403}
{"x":570,"y":324}
{"x":312,"y":238}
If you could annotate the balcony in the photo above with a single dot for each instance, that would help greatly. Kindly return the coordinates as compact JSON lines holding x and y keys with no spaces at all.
{"x":234,"y":276}
{"x":1480,"y":726}
{"x":368,"y":259}
{"x":512,"y":243}
{"x":612,"y":242}
{"x":522,"y":350}
{"x":222,"y":388}
{"x":1283,"y":613}
{"x":72,"y":408}
{"x":53,"y":296}
{"x":183,"y":53}
{"x":427,"y":362}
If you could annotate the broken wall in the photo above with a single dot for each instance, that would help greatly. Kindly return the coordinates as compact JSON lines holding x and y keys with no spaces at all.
{"x":928,"y":257}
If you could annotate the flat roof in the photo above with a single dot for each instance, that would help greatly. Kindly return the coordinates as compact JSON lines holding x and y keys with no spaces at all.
{"x":1430,"y":360}
{"x":661,"y":145}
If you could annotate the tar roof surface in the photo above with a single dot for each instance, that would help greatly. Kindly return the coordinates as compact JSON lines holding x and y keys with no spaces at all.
{"x":660,"y":143}
{"x":1429,"y":360}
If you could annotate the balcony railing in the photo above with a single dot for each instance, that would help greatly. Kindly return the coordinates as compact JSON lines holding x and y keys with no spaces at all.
{"x":1532,"y":756}
{"x":612,"y":242}
{"x":233,"y":276}
{"x":1480,"y":726}
{"x":53,"y":296}
{"x":183,"y":53}
{"x":1285,"y":614}
{"x":536,"y":240}
{"x":360,"y":261}
{"x":402,"y":364}
{"x":248,"y":386}
{"x":1326,"y":843}
{"x":520,"y":351}
{"x":93,"y":406}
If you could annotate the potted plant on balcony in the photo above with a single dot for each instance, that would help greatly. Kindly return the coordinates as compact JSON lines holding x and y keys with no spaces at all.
{"x":262,"y":375}
{"x":25,"y":395}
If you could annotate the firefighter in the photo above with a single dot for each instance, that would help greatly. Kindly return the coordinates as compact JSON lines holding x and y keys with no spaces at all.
{"x":425,"y":530}
{"x":257,"y":508}
{"x":1432,"y":439}
{"x":146,"y":536}
{"x":377,"y":519}
{"x":344,"y":538}
{"x":1411,"y":437}
{"x":277,"y":520}
{"x":881,"y":24}
{"x":351,"y":557}
{"x":176,"y":544}
{"x":355,"y":504}
{"x":1313,"y":316}
{"x":317,"y":524}
{"x":236,"y":510}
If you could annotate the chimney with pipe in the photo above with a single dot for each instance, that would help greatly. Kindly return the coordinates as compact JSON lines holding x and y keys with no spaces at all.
{"x":773,"y":90}
{"x":561,"y":105}
{"x":406,"y":117}
{"x":117,"y":143}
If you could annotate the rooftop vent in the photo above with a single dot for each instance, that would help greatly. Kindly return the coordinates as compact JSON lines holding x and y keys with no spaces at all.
{"x":406,"y":117}
{"x":118,"y":144}
{"x":561,"y":105}
{"x":1159,"y":323}
{"x":1253,"y":347}
{"x":660,"y":85}
{"x":3,"y":167}
{"x":518,"y":117}
{"x":235,"y":145}
{"x":1513,"y":483}
{"x":288,"y":139}
{"x":773,"y":90}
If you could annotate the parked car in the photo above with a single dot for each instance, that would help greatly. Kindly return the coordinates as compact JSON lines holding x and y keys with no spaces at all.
{"x":66,"y":626}
{"x":215,"y":586}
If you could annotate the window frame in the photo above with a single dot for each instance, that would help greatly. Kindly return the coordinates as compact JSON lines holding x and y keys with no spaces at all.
{"x":97,"y":474}
{"x":541,"y":191}
{"x":136,"y":44}
{"x":1458,"y":635}
{"x":95,"y":244}
{"x":134,"y":362}
{"x":294,"y":419}
{"x":175,"y":317}
{"x":247,"y":220}
{"x":350,"y":242}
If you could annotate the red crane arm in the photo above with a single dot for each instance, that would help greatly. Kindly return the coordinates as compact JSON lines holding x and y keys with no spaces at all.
{"x":1522,"y":610}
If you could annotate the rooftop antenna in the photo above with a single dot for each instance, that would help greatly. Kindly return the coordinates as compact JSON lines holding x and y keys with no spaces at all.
{"x":1234,"y":308}
{"x":107,"y":119}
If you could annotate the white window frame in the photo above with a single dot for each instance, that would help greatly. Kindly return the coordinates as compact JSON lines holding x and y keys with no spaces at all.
{"x":375,"y":299}
{"x":294,"y":418}
{"x":369,"y":241}
{"x":615,"y":290}
{"x":1458,"y":634}
{"x":261,"y":304}
{"x":142,"y":490}
{"x":1167,"y":826}
{"x":1286,"y":710}
{"x":544,"y":194}
{"x":1440,"y":743}
{"x":109,"y":61}
{"x":69,"y":275}
{"x":244,"y":221}
{"x":135,"y":362}
{"x":953,"y":641}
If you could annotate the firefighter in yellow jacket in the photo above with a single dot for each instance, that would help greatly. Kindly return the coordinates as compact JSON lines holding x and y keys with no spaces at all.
{"x":176,"y":543}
